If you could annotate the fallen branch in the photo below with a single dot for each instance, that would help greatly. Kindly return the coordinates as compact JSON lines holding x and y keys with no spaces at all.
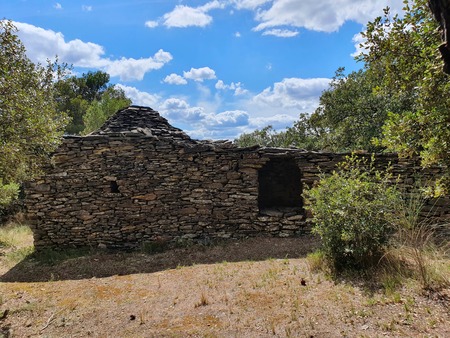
{"x":50,"y":319}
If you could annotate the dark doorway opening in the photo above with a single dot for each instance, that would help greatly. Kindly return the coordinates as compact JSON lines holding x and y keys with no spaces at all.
{"x":280,"y":185}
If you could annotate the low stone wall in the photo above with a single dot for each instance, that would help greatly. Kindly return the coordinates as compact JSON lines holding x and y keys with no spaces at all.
{"x":122,"y":192}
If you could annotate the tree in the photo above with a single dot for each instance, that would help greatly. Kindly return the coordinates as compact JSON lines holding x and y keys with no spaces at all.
{"x":353,"y":110}
{"x":100,"y":110}
{"x":403,"y":53}
{"x":75,"y":94}
{"x":30,"y":126}
{"x":301,"y":135}
{"x":265,"y":137}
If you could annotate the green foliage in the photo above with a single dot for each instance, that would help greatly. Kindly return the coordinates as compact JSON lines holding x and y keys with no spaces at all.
{"x":89,"y":93}
{"x":351,"y":211}
{"x":8,"y":193}
{"x":30,"y":126}
{"x":352,"y":112}
{"x":300,"y":135}
{"x":100,"y":110}
{"x":266,"y":137}
{"x":403,"y":54}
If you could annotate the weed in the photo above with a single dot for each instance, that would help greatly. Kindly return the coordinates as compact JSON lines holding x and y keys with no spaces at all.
{"x":396,"y":297}
{"x":203,"y":301}
{"x":273,"y":327}
{"x":15,"y":235}
{"x":19,"y":255}
{"x":16,"y":243}
{"x":288,"y":332}
{"x":415,"y":243}
{"x":372,"y":301}
{"x":317,"y":261}
{"x":390,"y":283}
{"x":142,"y":316}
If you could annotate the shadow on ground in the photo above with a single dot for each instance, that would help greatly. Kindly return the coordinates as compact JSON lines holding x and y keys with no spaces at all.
{"x":104,"y":264}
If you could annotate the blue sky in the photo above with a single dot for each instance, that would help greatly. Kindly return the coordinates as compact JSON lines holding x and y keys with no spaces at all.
{"x":213,"y":68}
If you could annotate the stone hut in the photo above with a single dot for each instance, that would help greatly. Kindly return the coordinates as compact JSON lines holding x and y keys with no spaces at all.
{"x":138,"y":180}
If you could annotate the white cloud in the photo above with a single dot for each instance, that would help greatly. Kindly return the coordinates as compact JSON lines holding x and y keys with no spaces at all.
{"x":180,"y":111}
{"x":221,"y":85}
{"x":324,"y":16}
{"x":227,"y":119}
{"x":175,"y":79}
{"x":185,"y":16}
{"x":237,"y":34}
{"x":86,"y":8}
{"x":240,"y":91}
{"x":134,"y":69}
{"x":140,"y":98}
{"x":249,"y":4}
{"x":200,"y":74}
{"x":43,"y":44}
{"x":300,"y":94}
{"x":163,"y":56}
{"x":281,"y":33}
{"x":151,"y":24}
{"x":215,"y":4}
{"x":278,"y":105}
{"x":293,"y":92}
{"x":281,"y":17}
{"x":236,"y":87}
{"x":57,"y":6}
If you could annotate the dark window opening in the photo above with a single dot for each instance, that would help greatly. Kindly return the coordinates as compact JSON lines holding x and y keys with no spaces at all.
{"x":280,"y":185}
{"x":114,"y":187}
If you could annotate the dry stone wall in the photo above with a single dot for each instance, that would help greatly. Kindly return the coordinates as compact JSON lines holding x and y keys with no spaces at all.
{"x":122,"y":192}
{"x":139,"y":180}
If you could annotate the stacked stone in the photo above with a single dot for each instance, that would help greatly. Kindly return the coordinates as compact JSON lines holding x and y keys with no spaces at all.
{"x":136,"y":120}
{"x":140,"y":180}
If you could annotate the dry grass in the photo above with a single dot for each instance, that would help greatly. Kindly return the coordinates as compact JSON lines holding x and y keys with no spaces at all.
{"x":193,"y":292}
{"x":16,"y":243}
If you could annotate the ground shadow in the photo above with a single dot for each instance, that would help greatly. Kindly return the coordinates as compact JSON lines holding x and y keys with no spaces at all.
{"x":104,"y":264}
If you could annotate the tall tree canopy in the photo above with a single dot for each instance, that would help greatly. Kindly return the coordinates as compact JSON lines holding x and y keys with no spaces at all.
{"x":111,"y":100}
{"x":78,"y":95}
{"x":30,"y":126}
{"x":404,"y":54}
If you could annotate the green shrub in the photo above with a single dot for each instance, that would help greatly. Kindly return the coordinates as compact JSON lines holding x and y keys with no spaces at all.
{"x":351,"y":211}
{"x":8,"y":194}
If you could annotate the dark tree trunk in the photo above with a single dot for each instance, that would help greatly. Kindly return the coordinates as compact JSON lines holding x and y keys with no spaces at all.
{"x":441,"y":12}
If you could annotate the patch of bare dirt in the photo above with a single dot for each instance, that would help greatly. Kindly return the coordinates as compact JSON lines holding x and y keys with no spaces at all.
{"x":247,"y":288}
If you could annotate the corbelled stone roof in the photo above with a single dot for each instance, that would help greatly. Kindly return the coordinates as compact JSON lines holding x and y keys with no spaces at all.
{"x":141,"y":121}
